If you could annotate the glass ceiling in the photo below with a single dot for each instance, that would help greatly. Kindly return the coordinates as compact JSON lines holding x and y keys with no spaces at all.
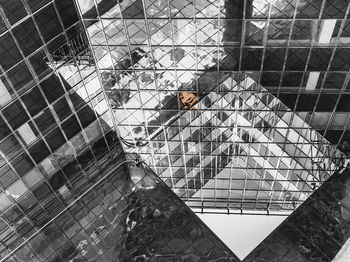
{"x":240,"y":106}
{"x":226,"y":100}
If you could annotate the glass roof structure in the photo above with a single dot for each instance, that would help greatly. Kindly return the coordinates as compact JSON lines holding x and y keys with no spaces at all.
{"x":227,"y":100}
{"x":238,"y":106}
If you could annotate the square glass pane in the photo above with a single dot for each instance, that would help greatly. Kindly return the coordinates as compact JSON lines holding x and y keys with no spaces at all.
{"x":57,"y":180}
{"x":22,"y":164}
{"x":39,"y":151}
{"x":86,"y":158}
{"x":7,"y":177}
{"x":14,"y":10}
{"x":77,"y":101}
{"x":52,"y":88}
{"x":13,"y":214}
{"x":4,"y":129}
{"x":15,"y":114}
{"x":27,"y":37}
{"x":10,"y":146}
{"x":9,"y":53}
{"x":20,"y":76}
{"x":62,"y":109}
{"x":55,"y":139}
{"x":45,"y":121}
{"x":36,"y":4}
{"x":2,"y":26}
{"x":67,"y":12}
{"x":48,"y":23}
{"x":27,"y":202}
{"x":42,"y":191}
{"x":71,"y":127}
{"x":34,"y":101}
{"x":72,"y":169}
{"x":56,"y":43}
{"x":86,"y":116}
{"x":39,"y":64}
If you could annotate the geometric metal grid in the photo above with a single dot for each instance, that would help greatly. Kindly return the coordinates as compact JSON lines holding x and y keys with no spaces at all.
{"x":157,"y":60}
{"x":52,"y":145}
{"x":209,"y":147}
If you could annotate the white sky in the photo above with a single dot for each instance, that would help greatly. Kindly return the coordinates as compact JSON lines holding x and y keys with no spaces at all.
{"x":241,"y":233}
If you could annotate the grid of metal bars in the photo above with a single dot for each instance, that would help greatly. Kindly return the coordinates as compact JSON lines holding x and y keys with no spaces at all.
{"x":33,"y":153}
{"x":153,"y":51}
{"x":263,"y":79}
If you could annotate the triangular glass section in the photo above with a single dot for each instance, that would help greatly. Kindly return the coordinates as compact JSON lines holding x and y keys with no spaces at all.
{"x":241,"y":233}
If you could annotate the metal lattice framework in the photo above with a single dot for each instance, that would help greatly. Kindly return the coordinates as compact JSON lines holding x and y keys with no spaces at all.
{"x":183,"y":80}
{"x":240,"y":106}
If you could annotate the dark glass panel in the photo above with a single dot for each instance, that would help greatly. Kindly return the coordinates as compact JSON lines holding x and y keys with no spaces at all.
{"x":57,"y":180}
{"x":13,"y":214}
{"x":4,"y":129}
{"x":112,"y":138}
{"x":270,"y":79}
{"x":344,"y":104}
{"x":22,"y":164}
{"x":77,"y":101}
{"x":273,"y":59}
{"x":27,"y":202}
{"x":296,"y":59}
{"x":85,"y":159}
{"x":23,"y":227}
{"x":319,"y":59}
{"x":38,"y":62}
{"x":55,"y":139}
{"x":62,"y":109}
{"x":99,"y":147}
{"x":3,"y":225}
{"x":48,"y":23}
{"x":2,"y":26}
{"x":52,"y":88}
{"x":340,"y":60}
{"x":335,"y":9}
{"x":334,"y":80}
{"x":86,"y":116}
{"x":72,"y":169}
{"x":39,"y":151}
{"x":53,"y":205}
{"x":27,"y":37}
{"x":306,"y":102}
{"x":6,"y":84}
{"x":42,"y":191}
{"x":56,"y":43}
{"x":7,"y":176}
{"x":38,"y":215}
{"x":67,"y":11}
{"x":10,"y":146}
{"x":34,"y":101}
{"x":251,"y":59}
{"x":71,"y":127}
{"x":9,"y":53}
{"x":292,"y":79}
{"x":325,"y":103}
{"x":45,"y":121}
{"x":20,"y":76}
{"x":14,"y":10}
{"x":15,"y":114}
{"x":36,"y":4}
{"x":288,"y":99}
